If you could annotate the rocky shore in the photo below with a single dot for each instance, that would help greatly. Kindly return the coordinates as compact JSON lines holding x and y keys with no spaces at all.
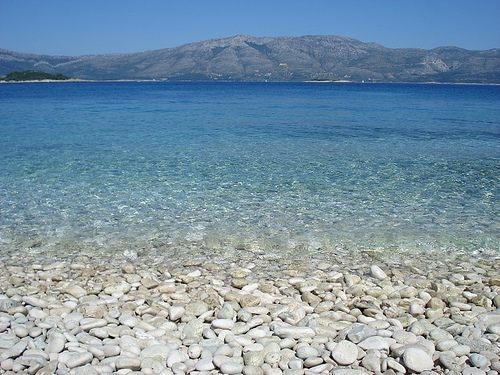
{"x":79,"y":316}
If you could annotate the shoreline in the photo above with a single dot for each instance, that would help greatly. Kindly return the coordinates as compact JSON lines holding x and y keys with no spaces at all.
{"x":78,"y":80}
{"x":206,"y":316}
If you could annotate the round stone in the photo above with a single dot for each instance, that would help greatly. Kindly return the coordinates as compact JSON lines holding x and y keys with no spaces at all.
{"x":223,"y":323}
{"x":231,"y":368}
{"x":128,"y":363}
{"x":56,"y":343}
{"x":377,"y":272}
{"x":417,"y":360}
{"x":176,"y":356}
{"x":205,"y":364}
{"x":478,"y":360}
{"x":306,"y":351}
{"x":345,"y":353}
{"x":196,"y":308}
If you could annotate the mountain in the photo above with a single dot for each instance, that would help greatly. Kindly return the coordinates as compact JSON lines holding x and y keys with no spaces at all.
{"x":247,"y":58}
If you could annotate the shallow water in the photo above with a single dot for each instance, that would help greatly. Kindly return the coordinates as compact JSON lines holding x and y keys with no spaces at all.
{"x":274,"y":168}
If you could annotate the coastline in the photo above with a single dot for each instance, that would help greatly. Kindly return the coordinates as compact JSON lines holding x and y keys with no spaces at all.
{"x":77,"y":80}
{"x":360,"y":315}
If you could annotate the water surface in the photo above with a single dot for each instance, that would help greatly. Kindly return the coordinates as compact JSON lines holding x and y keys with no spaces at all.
{"x":274,"y":167}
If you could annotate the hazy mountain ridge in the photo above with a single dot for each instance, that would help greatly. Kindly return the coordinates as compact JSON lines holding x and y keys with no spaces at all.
{"x":250,"y":58}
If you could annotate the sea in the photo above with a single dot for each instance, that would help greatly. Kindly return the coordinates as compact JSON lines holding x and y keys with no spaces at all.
{"x":308,"y":169}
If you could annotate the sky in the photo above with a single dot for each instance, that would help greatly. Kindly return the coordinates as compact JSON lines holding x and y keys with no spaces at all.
{"x":77,"y":27}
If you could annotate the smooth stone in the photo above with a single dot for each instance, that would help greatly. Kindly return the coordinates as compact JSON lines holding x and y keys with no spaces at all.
{"x":35,"y":332}
{"x":20,"y":331}
{"x":449,"y":361}
{"x":176,"y":312}
{"x":128,"y":320}
{"x":398,"y":367}
{"x":37,"y":313}
{"x":304,"y":352}
{"x":193,"y":329}
{"x":75,"y":359}
{"x":194,"y":351}
{"x":417,"y":360}
{"x":374,"y":342}
{"x":75,"y":290}
{"x":101,"y":333}
{"x":179,"y":368}
{"x":34,"y":301}
{"x":416,"y":309}
{"x":295,"y":364}
{"x":473,"y":371}
{"x":249,"y":300}
{"x":313,"y":362}
{"x":223,"y":323}
{"x":56,"y":343}
{"x":445,"y":345}
{"x":345,"y":353}
{"x":121,"y":287}
{"x":231,"y":368}
{"x":377,"y":272}
{"x":495,"y":365}
{"x":293,"y":331}
{"x":149,"y":283}
{"x":128,"y":268}
{"x":496,"y":301}
{"x":478,"y":360}
{"x":226,"y":311}
{"x":436,"y":303}
{"x":224,"y":350}
{"x":7,"y":364}
{"x":360,"y":332}
{"x":439,"y":334}
{"x":87,"y":324}
{"x":195,"y":273}
{"x":205,"y":364}
{"x":460,"y":350}
{"x":372,"y":363}
{"x":123,"y":362}
{"x":218,"y":360}
{"x":196,"y":308}
{"x":404,"y":337}
{"x":254,"y":358}
{"x":158,"y":351}
{"x":494,"y":328}
{"x":176,"y":356}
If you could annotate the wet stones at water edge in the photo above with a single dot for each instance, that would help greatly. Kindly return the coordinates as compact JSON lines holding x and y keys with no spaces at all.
{"x":79,"y":318}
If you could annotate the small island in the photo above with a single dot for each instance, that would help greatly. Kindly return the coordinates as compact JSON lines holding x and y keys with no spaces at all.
{"x":31,"y":75}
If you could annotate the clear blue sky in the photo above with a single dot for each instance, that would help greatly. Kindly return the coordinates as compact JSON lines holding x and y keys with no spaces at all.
{"x":74,"y":27}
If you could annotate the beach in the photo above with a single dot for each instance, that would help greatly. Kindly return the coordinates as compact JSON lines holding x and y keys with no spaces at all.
{"x":254,"y":228}
{"x":370,"y":313}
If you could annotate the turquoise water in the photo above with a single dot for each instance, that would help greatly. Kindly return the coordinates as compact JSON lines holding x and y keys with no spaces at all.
{"x":231,"y":166}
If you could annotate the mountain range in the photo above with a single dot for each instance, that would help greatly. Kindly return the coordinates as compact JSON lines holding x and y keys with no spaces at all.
{"x":248,"y":58}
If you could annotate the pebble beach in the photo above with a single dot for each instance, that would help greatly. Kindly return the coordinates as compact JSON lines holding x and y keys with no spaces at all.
{"x":249,"y":228}
{"x":355,"y":315}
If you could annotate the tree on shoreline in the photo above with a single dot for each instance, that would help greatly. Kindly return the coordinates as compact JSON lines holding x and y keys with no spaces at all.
{"x":31,"y":75}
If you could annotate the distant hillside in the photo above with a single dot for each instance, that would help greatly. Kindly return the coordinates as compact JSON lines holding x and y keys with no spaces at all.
{"x":248,"y":58}
{"x":31,"y":75}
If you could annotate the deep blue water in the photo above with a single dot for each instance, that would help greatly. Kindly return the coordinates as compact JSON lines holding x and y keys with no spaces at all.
{"x":227,"y":165}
